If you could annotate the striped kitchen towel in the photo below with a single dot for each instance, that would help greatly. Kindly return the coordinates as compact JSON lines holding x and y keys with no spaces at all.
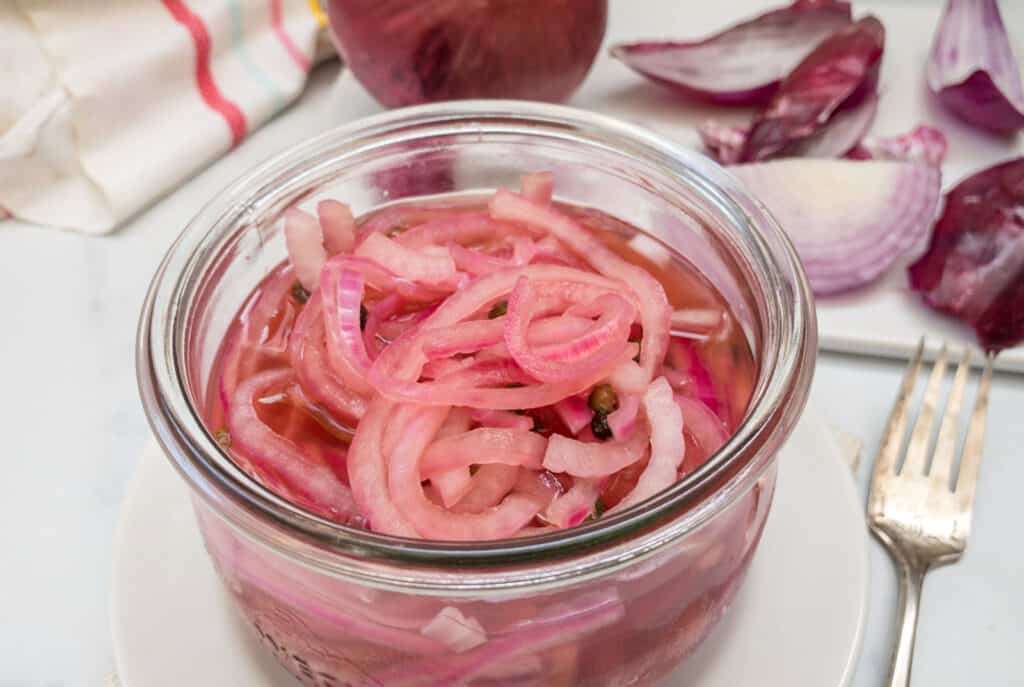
{"x":108,"y":104}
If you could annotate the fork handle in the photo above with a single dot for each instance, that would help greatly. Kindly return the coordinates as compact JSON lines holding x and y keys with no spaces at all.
{"x":911,"y":581}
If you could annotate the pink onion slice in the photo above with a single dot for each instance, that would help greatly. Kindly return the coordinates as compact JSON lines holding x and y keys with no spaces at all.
{"x":422,"y":266}
{"x":622,"y":421}
{"x":574,"y":506}
{"x":482,"y":446}
{"x":706,"y":428}
{"x":697,"y":320}
{"x":461,"y":228}
{"x":538,"y":187}
{"x":592,"y":351}
{"x":342,"y":616}
{"x":305,"y":244}
{"x":490,"y":485}
{"x":574,"y":413}
{"x":338,"y":226}
{"x":974,"y":266}
{"x":452,"y":484}
{"x":743,"y":64}
{"x":502,"y":418}
{"x":367,"y":473}
{"x":541,"y":487}
{"x":972,"y":68}
{"x":590,"y":460}
{"x":628,"y":378}
{"x":654,"y":309}
{"x":839,"y":73}
{"x":455,"y":630}
{"x":850,"y":220}
{"x":667,"y":447}
{"x":309,"y":361}
{"x":342,"y":295}
{"x":433,"y":522}
{"x":277,"y":460}
{"x":557,"y":625}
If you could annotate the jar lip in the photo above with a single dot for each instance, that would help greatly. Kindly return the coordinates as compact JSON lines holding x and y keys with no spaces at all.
{"x":777,"y":400}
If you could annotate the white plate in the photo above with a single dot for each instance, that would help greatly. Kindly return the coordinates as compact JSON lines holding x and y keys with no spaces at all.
{"x":796,"y":622}
{"x":885,"y":319}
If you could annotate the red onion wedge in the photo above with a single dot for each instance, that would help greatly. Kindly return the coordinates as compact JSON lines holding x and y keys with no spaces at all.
{"x":743,"y":64}
{"x":840,"y":73}
{"x":972,"y":68}
{"x":849,"y":220}
{"x":974,"y":266}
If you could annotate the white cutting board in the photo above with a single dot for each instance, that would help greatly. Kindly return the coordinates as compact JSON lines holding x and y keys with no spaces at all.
{"x":884,"y":319}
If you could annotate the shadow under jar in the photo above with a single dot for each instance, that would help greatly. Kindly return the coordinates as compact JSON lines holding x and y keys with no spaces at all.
{"x":619,"y":600}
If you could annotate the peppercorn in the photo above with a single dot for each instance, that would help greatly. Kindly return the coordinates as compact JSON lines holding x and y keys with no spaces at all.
{"x":499,"y":309}
{"x":299,"y":293}
{"x":222,"y":437}
{"x":603,"y":399}
{"x":599,"y":426}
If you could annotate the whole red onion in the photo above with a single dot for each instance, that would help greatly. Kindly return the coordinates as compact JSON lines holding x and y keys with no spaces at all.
{"x":413,"y":51}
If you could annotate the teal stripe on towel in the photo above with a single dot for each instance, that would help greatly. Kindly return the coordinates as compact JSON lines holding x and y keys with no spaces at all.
{"x":255,"y":71}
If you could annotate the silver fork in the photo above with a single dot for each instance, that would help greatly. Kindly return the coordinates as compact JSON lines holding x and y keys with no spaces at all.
{"x":921,"y":520}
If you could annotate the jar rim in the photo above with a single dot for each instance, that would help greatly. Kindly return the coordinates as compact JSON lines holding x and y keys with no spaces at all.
{"x":777,"y":400}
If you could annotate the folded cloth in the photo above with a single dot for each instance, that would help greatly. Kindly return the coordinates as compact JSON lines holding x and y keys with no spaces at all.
{"x":108,"y":105}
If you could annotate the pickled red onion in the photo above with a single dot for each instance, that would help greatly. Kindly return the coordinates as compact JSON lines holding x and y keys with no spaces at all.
{"x":461,"y":348}
{"x":581,"y":459}
{"x":278,"y":460}
{"x":667,"y":447}
{"x":482,"y":446}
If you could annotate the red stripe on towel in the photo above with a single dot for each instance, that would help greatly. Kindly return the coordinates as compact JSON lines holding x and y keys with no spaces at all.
{"x":298,"y":57}
{"x":211,"y":95}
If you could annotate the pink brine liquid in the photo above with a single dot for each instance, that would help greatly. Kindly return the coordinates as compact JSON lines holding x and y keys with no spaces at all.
{"x":326,"y":379}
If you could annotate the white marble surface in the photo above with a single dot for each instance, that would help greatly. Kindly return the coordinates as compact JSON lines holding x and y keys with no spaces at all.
{"x":75,"y":429}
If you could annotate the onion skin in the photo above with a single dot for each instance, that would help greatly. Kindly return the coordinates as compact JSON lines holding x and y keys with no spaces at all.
{"x":972,"y":69}
{"x":697,"y":69}
{"x":974,"y":266}
{"x":407,"y":53}
{"x":839,"y":73}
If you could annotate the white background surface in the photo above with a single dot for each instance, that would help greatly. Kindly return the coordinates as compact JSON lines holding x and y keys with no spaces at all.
{"x":74,"y":430}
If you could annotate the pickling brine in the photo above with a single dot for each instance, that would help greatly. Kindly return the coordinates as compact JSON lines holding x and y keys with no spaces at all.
{"x":481,"y":369}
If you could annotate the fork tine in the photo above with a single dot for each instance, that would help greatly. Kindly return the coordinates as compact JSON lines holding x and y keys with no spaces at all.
{"x":967,"y":482}
{"x":885,"y":464}
{"x":945,"y":445}
{"x":920,"y":437}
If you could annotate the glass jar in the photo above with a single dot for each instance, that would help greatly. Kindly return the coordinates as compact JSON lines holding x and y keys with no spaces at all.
{"x":619,"y":601}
